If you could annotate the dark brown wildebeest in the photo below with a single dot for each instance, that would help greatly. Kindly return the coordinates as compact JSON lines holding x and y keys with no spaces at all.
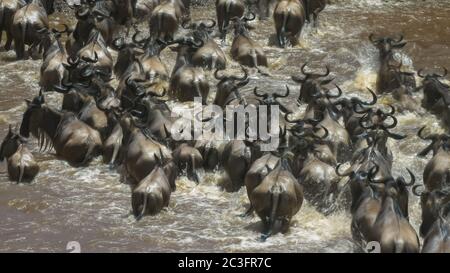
{"x":210,"y":55}
{"x":27,"y":26}
{"x":152,"y":194}
{"x":188,"y":81}
{"x":436,"y":94}
{"x":140,"y":153}
{"x":166,"y":18}
{"x":277,"y":198}
{"x":435,"y":227}
{"x":387,"y":78}
{"x":55,"y":57}
{"x":72,"y":139}
{"x":227,"y":87}
{"x":313,"y":8}
{"x":22,"y":166}
{"x":7,"y":10}
{"x":244,"y":49}
{"x":437,"y":171}
{"x":289,"y":17}
{"x":226,"y":10}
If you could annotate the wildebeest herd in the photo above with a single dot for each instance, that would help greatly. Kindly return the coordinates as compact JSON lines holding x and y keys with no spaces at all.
{"x":130,"y":124}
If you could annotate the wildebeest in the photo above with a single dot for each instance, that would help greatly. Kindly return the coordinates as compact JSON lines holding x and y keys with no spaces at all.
{"x":289,"y":17}
{"x":226,"y":10}
{"x":210,"y":55}
{"x":435,"y":227}
{"x":55,"y":57}
{"x":27,"y":26}
{"x":313,"y":8}
{"x":152,"y":194}
{"x":140,"y":153}
{"x":437,"y":171}
{"x":96,"y":52}
{"x":72,"y":139}
{"x":227,"y":87}
{"x":387,"y":80}
{"x":436,"y":94}
{"x":22,"y":167}
{"x":277,"y":198}
{"x":244,"y":49}
{"x":188,"y":81}
{"x":166,"y":18}
{"x":311,"y":84}
{"x":7,"y":10}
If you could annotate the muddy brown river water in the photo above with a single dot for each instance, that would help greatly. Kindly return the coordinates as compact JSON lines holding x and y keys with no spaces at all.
{"x":91,"y":206}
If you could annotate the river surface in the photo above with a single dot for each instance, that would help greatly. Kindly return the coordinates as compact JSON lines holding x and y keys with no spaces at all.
{"x":90,"y":205}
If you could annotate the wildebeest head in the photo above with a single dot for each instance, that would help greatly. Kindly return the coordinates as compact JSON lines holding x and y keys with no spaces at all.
{"x":358,"y":181}
{"x":241,"y":25}
{"x":50,"y":40}
{"x":434,"y":204}
{"x":434,"y":88}
{"x":272,"y":98}
{"x":202,"y":29}
{"x":32,"y":118}
{"x":312,"y":83}
{"x":187,"y":46}
{"x":10,"y":144}
{"x":228,"y":85}
{"x":397,"y":189}
{"x":438,"y":142}
{"x":349,"y":106}
{"x":386,"y":44}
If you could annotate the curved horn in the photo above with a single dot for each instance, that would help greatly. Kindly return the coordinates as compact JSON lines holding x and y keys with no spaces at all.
{"x":286,"y":117}
{"x":415,"y":188}
{"x":394,"y":136}
{"x":253,"y":16}
{"x":419,"y":73}
{"x":255,"y":91}
{"x":335,"y":96}
{"x":283,"y":96}
{"x":327,"y":72}
{"x":392,"y":112}
{"x":374,"y":41}
{"x":243,"y":78}
{"x":217,"y":76}
{"x":82,"y":14}
{"x":413,"y":178}
{"x":135,"y":39}
{"x":327,"y":132}
{"x":348,"y":172}
{"x":445,"y":73}
{"x":420,"y":135}
{"x":186,"y":24}
{"x":213,"y":23}
{"x":399,"y":39}
{"x":394,"y":123}
{"x":303,"y":69}
{"x":374,"y":98}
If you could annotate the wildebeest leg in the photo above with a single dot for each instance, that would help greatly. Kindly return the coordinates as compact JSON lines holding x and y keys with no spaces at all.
{"x":315,"y":16}
{"x":144,"y":208}
{"x":272,"y":219}
{"x":8,"y":41}
{"x":248,"y":212}
{"x":193,"y":171}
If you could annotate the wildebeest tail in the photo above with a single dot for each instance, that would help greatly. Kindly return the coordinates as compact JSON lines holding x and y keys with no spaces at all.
{"x":21,"y":169}
{"x":275,"y":202}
